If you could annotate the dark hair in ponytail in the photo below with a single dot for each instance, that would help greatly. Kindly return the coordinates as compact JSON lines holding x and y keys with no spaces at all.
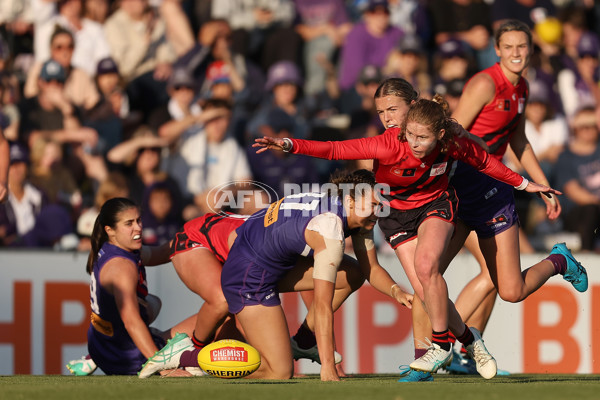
{"x":108,"y":216}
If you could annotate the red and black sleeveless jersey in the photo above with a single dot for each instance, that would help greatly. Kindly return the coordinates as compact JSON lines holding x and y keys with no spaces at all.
{"x":498,"y":120}
{"x":212,"y":231}
{"x":413,"y":182}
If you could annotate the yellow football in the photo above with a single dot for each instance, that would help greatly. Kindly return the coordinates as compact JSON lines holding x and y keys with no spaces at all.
{"x":229,"y":358}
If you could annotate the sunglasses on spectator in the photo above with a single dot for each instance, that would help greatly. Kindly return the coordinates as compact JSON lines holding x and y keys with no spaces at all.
{"x":179,"y":87}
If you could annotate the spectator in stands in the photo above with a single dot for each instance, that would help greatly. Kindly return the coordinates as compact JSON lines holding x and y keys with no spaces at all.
{"x":578,"y":177}
{"x":139,"y":45}
{"x":468,"y":21}
{"x":115,"y":185}
{"x":25,"y":201}
{"x":323,"y":26}
{"x":219,"y":84}
{"x":140,"y":159}
{"x":275,"y":168}
{"x":10,"y":94}
{"x":79,"y":87}
{"x":409,"y":61}
{"x":111,"y":117}
{"x":50,"y":174}
{"x":574,"y":25}
{"x":4,"y":165}
{"x":51,"y":114}
{"x":16,"y":23}
{"x":182,"y":114}
{"x":283,"y":86}
{"x":364,"y":120}
{"x":579,"y":87}
{"x":523,"y":10}
{"x":369,"y":42}
{"x":451,"y":91}
{"x":90,"y":41}
{"x":451,"y":61}
{"x":262,"y":29}
{"x":160,"y":216}
{"x":546,"y":130}
{"x":411,"y":16}
{"x":96,"y":10}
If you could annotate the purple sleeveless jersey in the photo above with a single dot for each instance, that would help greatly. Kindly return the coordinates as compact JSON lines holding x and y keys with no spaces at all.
{"x":109,"y":344}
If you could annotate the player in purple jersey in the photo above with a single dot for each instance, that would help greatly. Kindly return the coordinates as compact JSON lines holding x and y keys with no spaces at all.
{"x":119,"y":338}
{"x":262,"y":262}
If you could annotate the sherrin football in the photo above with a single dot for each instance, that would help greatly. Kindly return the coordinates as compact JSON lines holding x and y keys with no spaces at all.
{"x":229,"y":358}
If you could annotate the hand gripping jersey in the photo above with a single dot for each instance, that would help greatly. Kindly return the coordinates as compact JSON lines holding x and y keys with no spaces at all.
{"x":109,"y":344}
{"x":413,"y":182}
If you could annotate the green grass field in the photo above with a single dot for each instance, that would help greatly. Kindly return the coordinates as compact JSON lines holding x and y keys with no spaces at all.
{"x":363,"y":387}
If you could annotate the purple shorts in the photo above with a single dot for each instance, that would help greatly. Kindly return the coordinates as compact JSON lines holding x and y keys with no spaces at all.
{"x":245,"y":283}
{"x":487,"y":206}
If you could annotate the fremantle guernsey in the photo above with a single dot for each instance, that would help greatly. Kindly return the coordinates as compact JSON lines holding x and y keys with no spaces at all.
{"x":274,"y":237}
{"x":413,"y":182}
{"x":109,"y":344}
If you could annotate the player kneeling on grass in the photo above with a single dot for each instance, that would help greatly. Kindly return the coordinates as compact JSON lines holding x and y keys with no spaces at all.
{"x":267,"y":248}
{"x":119,"y":337}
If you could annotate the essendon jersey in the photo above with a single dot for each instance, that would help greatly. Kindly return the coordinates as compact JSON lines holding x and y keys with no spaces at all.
{"x":212,"y":231}
{"x":498,"y":120}
{"x":413,"y":182}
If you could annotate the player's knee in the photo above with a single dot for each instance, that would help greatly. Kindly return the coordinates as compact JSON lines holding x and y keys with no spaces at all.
{"x":280,"y":372}
{"x":511,"y":295}
{"x":217,"y":303}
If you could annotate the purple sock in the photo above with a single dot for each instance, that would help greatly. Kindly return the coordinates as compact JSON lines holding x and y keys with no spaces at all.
{"x":420,"y":352}
{"x":189,"y":358}
{"x":560,"y":263}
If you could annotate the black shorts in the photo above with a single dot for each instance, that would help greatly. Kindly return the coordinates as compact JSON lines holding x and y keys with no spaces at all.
{"x":403,"y":225}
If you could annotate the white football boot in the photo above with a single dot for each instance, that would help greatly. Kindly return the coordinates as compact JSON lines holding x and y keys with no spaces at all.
{"x":82,"y":367}
{"x":168,"y":357}
{"x":486,"y":364}
{"x":434,"y":359}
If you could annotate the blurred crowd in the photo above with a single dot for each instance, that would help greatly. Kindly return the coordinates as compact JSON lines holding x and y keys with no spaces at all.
{"x":160,"y":100}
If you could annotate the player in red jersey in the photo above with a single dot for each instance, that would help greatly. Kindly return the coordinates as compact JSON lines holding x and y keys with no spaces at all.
{"x":415,"y":162}
{"x":492,"y":107}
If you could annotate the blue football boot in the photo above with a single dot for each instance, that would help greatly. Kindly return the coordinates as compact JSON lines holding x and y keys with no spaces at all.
{"x":411,"y":375}
{"x":575,"y":272}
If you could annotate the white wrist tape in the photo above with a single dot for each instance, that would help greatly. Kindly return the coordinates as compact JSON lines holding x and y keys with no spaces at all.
{"x":523,"y":184}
